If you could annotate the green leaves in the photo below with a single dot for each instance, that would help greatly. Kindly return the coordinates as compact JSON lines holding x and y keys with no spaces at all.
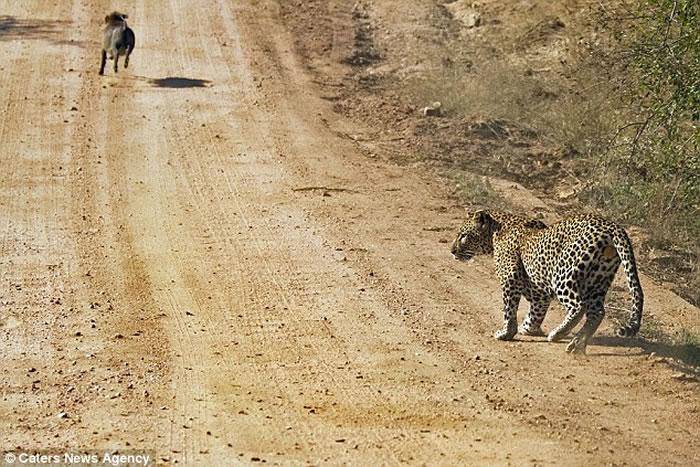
{"x":654,"y":165}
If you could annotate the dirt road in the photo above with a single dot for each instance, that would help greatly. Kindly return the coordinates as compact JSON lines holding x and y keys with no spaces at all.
{"x":194,"y":263}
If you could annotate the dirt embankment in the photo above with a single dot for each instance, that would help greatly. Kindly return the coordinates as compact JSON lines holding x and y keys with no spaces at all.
{"x":198,"y":259}
{"x":517,"y":100}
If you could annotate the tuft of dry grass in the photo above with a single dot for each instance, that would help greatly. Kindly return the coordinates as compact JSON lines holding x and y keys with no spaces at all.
{"x":575,"y":119}
{"x":477,"y":190}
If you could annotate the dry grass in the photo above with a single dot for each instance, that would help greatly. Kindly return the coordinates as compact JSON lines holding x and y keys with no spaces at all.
{"x":575,"y":119}
{"x":477,"y":190}
{"x":579,"y":119}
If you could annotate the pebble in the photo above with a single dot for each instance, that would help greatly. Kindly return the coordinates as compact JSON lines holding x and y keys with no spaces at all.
{"x":682,"y":377}
{"x":432,"y":110}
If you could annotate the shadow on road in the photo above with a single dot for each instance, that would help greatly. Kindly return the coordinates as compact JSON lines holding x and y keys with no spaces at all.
{"x":684,"y":357}
{"x":687,"y":354}
{"x":53,"y":31}
{"x":179,"y":82}
{"x":13,"y":28}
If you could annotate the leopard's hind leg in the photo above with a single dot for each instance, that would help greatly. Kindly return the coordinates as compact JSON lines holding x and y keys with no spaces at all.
{"x":573,"y":317}
{"x":569,"y":295}
{"x":598,"y":284}
{"x":594,"y":315}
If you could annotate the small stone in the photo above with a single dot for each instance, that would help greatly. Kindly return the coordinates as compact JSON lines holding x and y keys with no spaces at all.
{"x":473,"y":20}
{"x":682,"y":377}
{"x":433,"y":110}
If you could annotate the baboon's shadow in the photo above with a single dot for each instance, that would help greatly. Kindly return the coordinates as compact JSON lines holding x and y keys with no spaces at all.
{"x":177,"y":82}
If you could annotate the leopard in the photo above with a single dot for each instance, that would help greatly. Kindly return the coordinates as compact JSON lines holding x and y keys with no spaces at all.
{"x":574,"y":260}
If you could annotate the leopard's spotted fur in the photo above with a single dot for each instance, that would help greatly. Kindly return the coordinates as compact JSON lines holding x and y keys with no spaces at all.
{"x":574,"y":260}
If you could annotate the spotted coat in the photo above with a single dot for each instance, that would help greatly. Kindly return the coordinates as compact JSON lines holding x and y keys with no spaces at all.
{"x":574,"y":260}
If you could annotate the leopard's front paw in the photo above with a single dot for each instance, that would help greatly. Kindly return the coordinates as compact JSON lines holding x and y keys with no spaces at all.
{"x":528,"y":331}
{"x":577,"y":345}
{"x":507,"y":333}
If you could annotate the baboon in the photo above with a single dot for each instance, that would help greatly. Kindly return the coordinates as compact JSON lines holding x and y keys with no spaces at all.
{"x":119,"y":40}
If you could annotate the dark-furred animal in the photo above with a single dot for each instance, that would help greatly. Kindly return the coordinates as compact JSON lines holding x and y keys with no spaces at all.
{"x":118,"y":40}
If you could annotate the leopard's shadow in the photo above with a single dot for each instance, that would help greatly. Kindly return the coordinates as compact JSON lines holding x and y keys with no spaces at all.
{"x":683,"y":356}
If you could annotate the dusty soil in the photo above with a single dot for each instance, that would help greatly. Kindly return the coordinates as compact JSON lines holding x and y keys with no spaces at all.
{"x":520,"y":91}
{"x":197,"y":261}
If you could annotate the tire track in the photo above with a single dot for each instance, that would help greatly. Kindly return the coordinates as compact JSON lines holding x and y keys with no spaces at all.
{"x":245,"y":220}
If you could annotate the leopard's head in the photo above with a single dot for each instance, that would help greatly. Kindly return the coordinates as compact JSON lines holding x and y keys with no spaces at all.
{"x":475,"y":237}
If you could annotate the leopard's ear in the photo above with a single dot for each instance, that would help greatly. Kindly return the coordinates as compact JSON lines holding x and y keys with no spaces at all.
{"x":535,"y":224}
{"x":482,"y":218}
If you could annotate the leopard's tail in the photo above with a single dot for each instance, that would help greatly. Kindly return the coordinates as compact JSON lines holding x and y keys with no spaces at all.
{"x":623,"y":246}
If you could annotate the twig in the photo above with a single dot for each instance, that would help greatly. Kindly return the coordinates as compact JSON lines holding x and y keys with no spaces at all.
{"x":673,"y":196}
{"x":323,"y":188}
{"x":670,"y":21}
{"x":620,"y":130}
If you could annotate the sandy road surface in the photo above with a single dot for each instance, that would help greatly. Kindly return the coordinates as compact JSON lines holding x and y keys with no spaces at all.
{"x":174,"y":277}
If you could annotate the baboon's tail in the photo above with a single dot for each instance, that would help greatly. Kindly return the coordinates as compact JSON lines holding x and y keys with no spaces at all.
{"x":130,"y":39}
{"x":623,"y":246}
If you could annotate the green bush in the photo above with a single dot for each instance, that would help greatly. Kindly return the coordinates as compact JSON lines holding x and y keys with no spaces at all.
{"x":651,"y":170}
